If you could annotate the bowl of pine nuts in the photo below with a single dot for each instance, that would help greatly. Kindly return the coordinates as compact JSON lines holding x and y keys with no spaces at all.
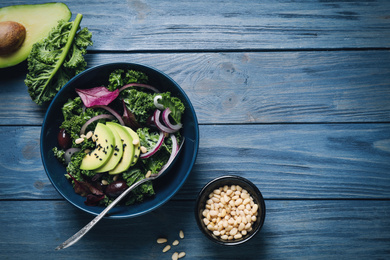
{"x":230,"y":210}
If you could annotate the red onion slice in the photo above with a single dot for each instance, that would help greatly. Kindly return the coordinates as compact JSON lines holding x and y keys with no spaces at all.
{"x":139,"y":85}
{"x":113,"y":112}
{"x":69,"y":152}
{"x":175,"y":151}
{"x":155,"y":148}
{"x":84,"y":127}
{"x":159,"y":124}
{"x":165,"y":117}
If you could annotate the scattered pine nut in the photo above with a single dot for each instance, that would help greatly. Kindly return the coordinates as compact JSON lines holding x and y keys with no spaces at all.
{"x":148,"y":174}
{"x":181,"y":234}
{"x":83,"y":136}
{"x":104,"y":182}
{"x":175,"y":243}
{"x":182,"y":254}
{"x":161,"y":240}
{"x":166,"y":248}
{"x":175,"y":256}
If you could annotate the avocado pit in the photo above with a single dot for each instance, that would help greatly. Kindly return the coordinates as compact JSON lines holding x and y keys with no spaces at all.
{"x":12,"y":35}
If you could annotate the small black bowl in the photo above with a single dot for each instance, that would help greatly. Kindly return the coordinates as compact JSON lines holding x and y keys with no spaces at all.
{"x":216,"y":184}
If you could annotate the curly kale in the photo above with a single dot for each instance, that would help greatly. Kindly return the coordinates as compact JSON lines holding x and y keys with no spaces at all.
{"x":57,"y":58}
{"x":138,"y":194}
{"x":119,"y":78}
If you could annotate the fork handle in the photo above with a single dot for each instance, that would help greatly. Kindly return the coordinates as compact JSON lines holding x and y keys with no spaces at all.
{"x":76,"y":237}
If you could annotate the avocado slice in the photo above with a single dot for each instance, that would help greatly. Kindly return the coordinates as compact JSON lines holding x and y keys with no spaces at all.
{"x":105,"y":141}
{"x":128,"y":148}
{"x":116,"y":154}
{"x":137,"y":147}
{"x":38,"y":20}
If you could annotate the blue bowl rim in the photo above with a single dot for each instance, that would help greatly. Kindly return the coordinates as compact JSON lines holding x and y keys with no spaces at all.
{"x":189,"y":169}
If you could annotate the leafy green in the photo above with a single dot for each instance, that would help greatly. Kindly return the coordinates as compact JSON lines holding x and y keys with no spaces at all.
{"x":59,"y":154}
{"x":139,"y":103}
{"x":149,"y":140}
{"x":174,"y":104}
{"x":75,"y":117}
{"x":138,"y":194}
{"x":119,"y":78}
{"x":57,"y":58}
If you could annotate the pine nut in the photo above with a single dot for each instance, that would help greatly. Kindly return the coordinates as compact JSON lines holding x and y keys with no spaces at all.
{"x":135,"y":142}
{"x":233,"y":231}
{"x":166,"y":248}
{"x":89,"y":135}
{"x":143,"y":149}
{"x":148,"y":174}
{"x":175,"y":243}
{"x":182,"y":254}
{"x":181,"y":234}
{"x":79,"y":140}
{"x":161,"y":240}
{"x":238,"y":236}
{"x":104,"y":182}
{"x":175,"y":256}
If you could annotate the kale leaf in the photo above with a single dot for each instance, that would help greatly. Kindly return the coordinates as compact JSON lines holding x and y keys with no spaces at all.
{"x":57,"y":58}
{"x":118,"y":78}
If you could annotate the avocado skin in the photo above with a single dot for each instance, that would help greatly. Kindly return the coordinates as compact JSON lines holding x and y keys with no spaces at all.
{"x":47,"y":14}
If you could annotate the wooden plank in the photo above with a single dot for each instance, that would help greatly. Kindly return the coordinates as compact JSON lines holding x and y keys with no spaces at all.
{"x":216,"y":24}
{"x":251,"y":87}
{"x":284,"y":161}
{"x":292,"y":230}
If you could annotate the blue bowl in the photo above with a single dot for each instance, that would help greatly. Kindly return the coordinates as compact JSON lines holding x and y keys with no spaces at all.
{"x":166,"y":186}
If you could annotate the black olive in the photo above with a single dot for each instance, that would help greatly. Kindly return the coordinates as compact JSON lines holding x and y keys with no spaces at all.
{"x":114,"y":189}
{"x":64,"y":140}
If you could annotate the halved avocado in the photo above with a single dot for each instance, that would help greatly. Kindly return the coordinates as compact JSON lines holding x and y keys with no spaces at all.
{"x":38,"y":20}
{"x":105,"y":141}
{"x":128,"y":148}
{"x":116,"y":154}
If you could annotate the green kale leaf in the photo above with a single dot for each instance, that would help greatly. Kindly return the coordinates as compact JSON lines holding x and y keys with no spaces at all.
{"x":118,"y":78}
{"x":139,"y":103}
{"x":57,"y":58}
{"x":138,"y":194}
{"x":174,"y":104}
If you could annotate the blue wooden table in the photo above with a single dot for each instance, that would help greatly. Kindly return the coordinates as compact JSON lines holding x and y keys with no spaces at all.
{"x":293,"y":95}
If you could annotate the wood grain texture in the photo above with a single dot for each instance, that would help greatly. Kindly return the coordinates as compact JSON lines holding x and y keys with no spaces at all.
{"x":135,"y":25}
{"x":284,"y":161}
{"x":292,"y":230}
{"x":250,"y":87}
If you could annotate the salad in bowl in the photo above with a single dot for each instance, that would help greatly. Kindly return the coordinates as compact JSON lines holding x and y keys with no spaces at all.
{"x":114,"y":130}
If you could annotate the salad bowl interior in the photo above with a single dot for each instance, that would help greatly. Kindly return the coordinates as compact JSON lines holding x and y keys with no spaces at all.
{"x":166,"y":186}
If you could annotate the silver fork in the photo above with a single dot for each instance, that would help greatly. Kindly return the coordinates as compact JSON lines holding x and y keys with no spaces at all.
{"x":76,"y":237}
